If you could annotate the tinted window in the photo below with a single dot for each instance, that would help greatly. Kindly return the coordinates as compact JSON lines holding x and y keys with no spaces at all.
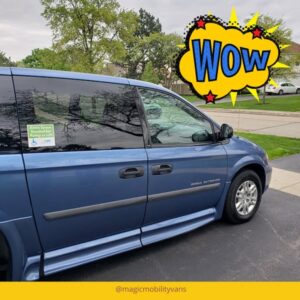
{"x":171,"y":121}
{"x":85,"y":115}
{"x":9,"y":127}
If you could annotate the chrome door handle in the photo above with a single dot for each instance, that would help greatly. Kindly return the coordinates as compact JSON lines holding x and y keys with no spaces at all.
{"x":131,"y":172}
{"x":162,"y":169}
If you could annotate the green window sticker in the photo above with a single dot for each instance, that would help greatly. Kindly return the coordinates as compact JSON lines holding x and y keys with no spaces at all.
{"x":41,"y":135}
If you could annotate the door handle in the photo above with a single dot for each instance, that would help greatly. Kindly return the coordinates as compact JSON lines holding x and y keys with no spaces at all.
{"x":131,"y":172}
{"x":162,"y":169}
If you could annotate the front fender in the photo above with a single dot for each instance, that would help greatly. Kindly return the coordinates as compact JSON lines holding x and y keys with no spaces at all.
{"x":234,"y":166}
{"x":244,"y":162}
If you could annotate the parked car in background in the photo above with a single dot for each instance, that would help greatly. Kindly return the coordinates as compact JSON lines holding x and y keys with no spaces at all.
{"x":92,"y":166}
{"x":283,"y":88}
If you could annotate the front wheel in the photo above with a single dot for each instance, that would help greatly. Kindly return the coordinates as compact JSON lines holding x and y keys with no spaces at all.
{"x":280,"y":92}
{"x":298,"y":91}
{"x":243,"y":198}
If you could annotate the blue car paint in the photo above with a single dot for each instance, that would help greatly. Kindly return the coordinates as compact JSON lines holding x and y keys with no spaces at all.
{"x":16,"y":221}
{"x":36,"y":254}
{"x":66,"y":75}
{"x":241,"y":152}
{"x":64,"y":180}
{"x":173,"y":227}
{"x":194,"y":167}
{"x":80,"y":254}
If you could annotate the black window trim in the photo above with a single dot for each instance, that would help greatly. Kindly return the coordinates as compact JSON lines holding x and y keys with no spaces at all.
{"x":142,"y":116}
{"x":20,"y":148}
{"x":149,"y":143}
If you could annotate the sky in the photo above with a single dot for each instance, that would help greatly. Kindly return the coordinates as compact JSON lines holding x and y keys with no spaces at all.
{"x":22,"y":28}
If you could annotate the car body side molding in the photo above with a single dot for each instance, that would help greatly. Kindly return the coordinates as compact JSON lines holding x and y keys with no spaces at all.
{"x":125,"y":202}
{"x":183,"y":192}
{"x":93,"y":208}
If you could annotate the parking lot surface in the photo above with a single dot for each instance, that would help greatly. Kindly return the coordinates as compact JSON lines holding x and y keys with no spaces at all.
{"x":265,"y":249}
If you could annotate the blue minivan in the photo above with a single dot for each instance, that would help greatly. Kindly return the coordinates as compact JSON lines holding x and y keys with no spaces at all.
{"x":92,"y":166}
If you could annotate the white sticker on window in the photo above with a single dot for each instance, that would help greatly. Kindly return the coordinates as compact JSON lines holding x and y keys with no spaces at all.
{"x":41,"y":135}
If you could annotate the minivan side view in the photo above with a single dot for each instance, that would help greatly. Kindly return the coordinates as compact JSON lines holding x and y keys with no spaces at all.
{"x":92,"y":166}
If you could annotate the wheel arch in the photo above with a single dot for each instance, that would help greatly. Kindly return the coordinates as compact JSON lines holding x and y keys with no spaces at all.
{"x":21,"y":244}
{"x":257,"y":168}
{"x":247,"y":163}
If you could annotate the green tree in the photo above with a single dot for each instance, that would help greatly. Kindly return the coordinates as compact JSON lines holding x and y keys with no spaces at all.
{"x":6,"y":61}
{"x":147,"y":24}
{"x":151,"y":45}
{"x":162,"y":52}
{"x":46,"y":59}
{"x":89,"y":32}
{"x":136,"y":50}
{"x":150,"y":74}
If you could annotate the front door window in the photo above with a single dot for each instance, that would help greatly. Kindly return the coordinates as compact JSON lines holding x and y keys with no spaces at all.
{"x":172,"y":122}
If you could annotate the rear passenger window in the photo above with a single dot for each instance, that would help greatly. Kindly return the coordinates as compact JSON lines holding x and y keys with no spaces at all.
{"x":84,"y":115}
{"x":9,"y":126}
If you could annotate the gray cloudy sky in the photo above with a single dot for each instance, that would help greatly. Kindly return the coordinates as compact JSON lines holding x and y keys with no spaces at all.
{"x":22,"y":28}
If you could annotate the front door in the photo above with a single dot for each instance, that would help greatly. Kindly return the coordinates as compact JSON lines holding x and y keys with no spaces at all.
{"x":85,"y":162}
{"x":187,"y":169}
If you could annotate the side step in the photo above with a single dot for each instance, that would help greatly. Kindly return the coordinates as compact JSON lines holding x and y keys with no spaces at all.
{"x":80,"y":254}
{"x":170,"y":228}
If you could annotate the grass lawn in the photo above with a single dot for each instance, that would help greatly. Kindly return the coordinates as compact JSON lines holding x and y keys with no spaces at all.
{"x":193,"y":98}
{"x":284,"y":103}
{"x":275,"y":146}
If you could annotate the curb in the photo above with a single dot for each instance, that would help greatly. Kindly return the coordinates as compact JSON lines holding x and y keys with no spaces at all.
{"x":254,"y":112}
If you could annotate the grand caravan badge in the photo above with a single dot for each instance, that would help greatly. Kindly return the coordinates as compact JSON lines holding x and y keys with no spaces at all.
{"x":223,"y":58}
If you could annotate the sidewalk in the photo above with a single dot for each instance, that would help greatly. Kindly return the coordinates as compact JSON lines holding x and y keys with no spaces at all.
{"x":254,"y":112}
{"x":258,"y":121}
{"x":286,"y":174}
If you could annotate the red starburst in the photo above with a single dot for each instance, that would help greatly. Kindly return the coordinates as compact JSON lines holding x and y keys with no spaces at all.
{"x":210,"y":97}
{"x":257,"y":33}
{"x":200,"y":23}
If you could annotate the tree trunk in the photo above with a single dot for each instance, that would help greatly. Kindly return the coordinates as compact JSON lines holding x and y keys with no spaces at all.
{"x":264,"y":95}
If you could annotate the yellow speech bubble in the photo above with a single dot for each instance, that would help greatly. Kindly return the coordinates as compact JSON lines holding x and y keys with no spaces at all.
{"x":220,"y":59}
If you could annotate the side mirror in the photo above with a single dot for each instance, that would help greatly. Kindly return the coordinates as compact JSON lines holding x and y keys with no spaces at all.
{"x":226,"y":132}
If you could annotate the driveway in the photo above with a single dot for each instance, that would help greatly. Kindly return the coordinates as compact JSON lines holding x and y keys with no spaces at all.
{"x":265,"y":249}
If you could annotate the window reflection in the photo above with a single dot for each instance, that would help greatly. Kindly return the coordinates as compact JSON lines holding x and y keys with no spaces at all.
{"x":9,"y":126}
{"x":173,"y":122}
{"x":86,"y":115}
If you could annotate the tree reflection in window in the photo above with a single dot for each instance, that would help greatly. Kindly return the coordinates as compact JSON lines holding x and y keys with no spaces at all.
{"x":86,"y":115}
{"x":9,"y":126}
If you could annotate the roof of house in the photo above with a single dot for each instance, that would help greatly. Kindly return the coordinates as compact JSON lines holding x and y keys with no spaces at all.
{"x":293,"y":48}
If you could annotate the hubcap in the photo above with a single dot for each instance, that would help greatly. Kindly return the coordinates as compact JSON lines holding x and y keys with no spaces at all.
{"x":246,"y":197}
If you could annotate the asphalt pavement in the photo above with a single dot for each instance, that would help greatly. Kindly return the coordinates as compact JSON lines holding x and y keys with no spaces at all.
{"x":265,"y":249}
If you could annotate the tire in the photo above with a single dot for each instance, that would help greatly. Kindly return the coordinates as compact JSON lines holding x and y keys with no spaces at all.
{"x":4,"y":273}
{"x":280,"y":92}
{"x":239,"y":197}
{"x":298,"y":91}
{"x":5,"y":267}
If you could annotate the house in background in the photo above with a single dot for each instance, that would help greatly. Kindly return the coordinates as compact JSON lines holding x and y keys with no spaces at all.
{"x":294,"y":49}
